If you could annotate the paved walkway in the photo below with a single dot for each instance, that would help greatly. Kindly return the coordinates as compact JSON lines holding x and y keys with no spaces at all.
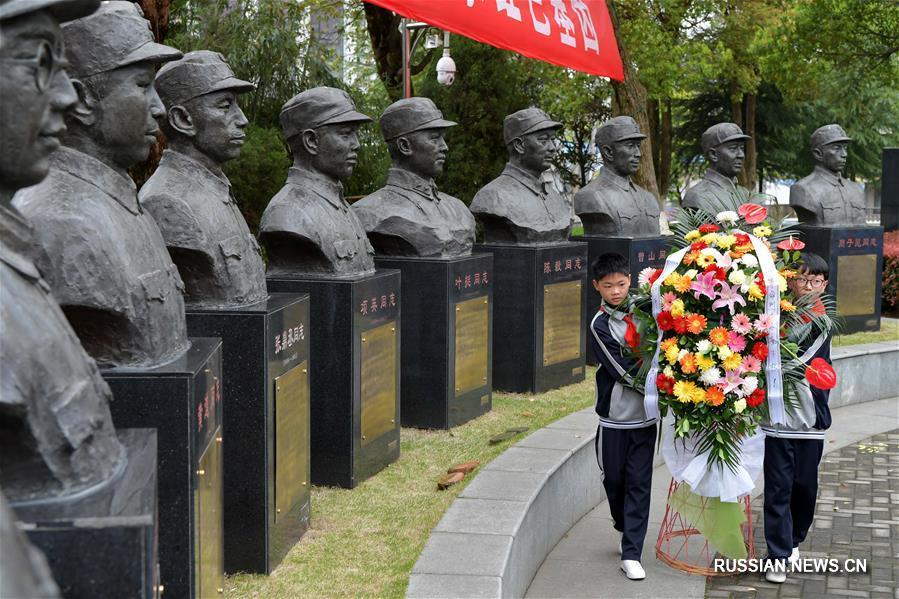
{"x":585,"y":562}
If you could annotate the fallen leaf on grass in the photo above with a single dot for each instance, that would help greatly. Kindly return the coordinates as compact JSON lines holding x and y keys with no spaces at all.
{"x":448,"y":480}
{"x":465,"y":467}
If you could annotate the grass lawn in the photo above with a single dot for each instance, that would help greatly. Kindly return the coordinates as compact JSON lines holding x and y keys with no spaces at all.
{"x":889,"y":331}
{"x":364,"y":542}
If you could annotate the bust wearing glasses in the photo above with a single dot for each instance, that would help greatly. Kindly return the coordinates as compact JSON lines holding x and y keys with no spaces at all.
{"x":612,"y":204}
{"x":521,"y":207}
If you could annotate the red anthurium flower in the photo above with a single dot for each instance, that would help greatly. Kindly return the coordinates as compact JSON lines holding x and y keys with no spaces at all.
{"x":753,"y":213}
{"x":631,"y":336}
{"x":756,"y":398}
{"x":790,"y":244}
{"x":709,"y":228}
{"x":820,"y":374}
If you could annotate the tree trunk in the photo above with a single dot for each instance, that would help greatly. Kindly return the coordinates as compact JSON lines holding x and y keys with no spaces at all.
{"x":387,"y":45}
{"x":629,"y":98}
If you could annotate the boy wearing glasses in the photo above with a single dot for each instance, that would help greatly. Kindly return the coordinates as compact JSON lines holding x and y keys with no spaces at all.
{"x":793,"y":450}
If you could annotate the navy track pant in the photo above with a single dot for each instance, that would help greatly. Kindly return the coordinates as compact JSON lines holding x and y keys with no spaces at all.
{"x":625,"y":459}
{"x":791,"y":488}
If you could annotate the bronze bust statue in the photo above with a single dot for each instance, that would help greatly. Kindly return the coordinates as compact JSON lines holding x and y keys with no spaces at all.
{"x":724,"y":148}
{"x":519,"y":207}
{"x":189,"y":195}
{"x":824,"y":198}
{"x":308,"y":227}
{"x":409,"y":216}
{"x":103,"y":254}
{"x":612,"y":204}
{"x":56,"y":433}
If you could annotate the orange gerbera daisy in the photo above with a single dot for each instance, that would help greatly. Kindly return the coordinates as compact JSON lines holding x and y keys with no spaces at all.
{"x":688,"y":364}
{"x":714,"y":396}
{"x":786,"y":306}
{"x":718,"y":336}
{"x":696,"y":323}
{"x":669,"y":342}
{"x":683,"y":284}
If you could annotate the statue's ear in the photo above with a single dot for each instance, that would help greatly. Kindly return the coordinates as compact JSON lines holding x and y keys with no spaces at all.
{"x":817,"y":154}
{"x":404,"y":146}
{"x":518,"y":145}
{"x":180,"y":120}
{"x":85,"y":107}
{"x":309,"y":139}
{"x":712,"y":155}
{"x":607,"y":153}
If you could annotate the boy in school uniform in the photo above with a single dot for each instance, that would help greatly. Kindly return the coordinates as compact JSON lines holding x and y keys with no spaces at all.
{"x":625,"y":439}
{"x":793,"y":450}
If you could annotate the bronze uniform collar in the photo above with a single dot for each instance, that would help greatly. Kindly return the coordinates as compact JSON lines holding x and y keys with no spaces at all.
{"x":327,"y":189}
{"x":216,"y":183}
{"x":94,"y":172}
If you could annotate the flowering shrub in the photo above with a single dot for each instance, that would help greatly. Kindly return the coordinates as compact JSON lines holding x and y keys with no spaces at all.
{"x":890,"y":290}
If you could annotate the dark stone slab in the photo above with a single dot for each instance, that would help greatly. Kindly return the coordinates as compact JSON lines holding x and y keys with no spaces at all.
{"x":342,"y":318}
{"x":889,"y":193}
{"x":101,"y":542}
{"x":435,"y":292}
{"x":855,"y":257}
{"x":640,"y":252}
{"x":261,"y":343}
{"x":182,"y":400}
{"x":525,"y":277}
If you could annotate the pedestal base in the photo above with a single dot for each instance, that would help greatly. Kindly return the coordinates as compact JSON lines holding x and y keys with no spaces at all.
{"x":102,"y":542}
{"x":641,"y":252}
{"x":540,"y":296}
{"x":855,"y":257}
{"x":447,"y":338}
{"x":265,"y":361}
{"x":182,"y":400}
{"x":354,"y":345}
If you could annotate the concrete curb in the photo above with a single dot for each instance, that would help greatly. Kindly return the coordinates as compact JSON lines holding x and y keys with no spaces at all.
{"x":496,"y":534}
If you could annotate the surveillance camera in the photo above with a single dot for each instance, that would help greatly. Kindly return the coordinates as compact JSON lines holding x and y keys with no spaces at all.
{"x":446,"y":69}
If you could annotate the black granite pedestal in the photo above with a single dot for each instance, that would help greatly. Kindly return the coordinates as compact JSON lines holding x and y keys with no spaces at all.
{"x":265,"y":360}
{"x":447,"y":338}
{"x":855,"y":257}
{"x":183,"y":401}
{"x":540,"y":295}
{"x":354,"y":366}
{"x":101,"y":542}
{"x":641,"y":252}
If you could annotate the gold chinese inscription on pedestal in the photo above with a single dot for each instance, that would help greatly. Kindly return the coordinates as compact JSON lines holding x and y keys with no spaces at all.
{"x":209,"y":544}
{"x":291,"y":438}
{"x":561,"y":322}
{"x":471,"y":344}
{"x":856,"y":283}
{"x":378,"y":396}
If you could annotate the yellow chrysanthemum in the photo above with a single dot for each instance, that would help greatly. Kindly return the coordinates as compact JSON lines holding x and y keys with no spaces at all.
{"x":786,"y":305}
{"x":671,"y":354}
{"x":710,"y":238}
{"x":732,"y":362}
{"x":787,"y":273}
{"x":725,"y":241}
{"x":704,"y":361}
{"x":755,"y":292}
{"x":669,"y":342}
{"x":697,"y":395}
{"x":684,"y":390}
{"x":671,"y":279}
{"x":703,"y":260}
{"x":677,"y":308}
{"x":669,"y":372}
{"x":724,"y":352}
{"x":692,"y":235}
{"x":781,"y":283}
{"x":762,"y":231}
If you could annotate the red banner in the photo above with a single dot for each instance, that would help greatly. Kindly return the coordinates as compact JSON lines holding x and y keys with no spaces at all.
{"x":576,"y":34}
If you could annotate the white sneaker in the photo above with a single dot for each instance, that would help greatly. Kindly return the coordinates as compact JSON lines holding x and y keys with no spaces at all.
{"x":794,"y":557}
{"x":776,"y":576}
{"x":632,"y":569}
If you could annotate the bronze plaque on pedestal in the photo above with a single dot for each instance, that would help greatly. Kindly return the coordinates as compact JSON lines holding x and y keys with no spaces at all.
{"x":856,"y":284}
{"x":378,"y":380}
{"x":471,"y":344}
{"x":209,"y":552}
{"x":561,"y":322}
{"x":291,"y":438}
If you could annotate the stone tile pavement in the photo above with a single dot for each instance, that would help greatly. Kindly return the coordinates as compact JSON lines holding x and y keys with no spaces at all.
{"x":859,"y":476}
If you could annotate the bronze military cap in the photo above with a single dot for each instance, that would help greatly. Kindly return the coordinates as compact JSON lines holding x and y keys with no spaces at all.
{"x":117,"y":35}
{"x":721,"y":133}
{"x":63,"y":10}
{"x":620,"y":128}
{"x":197,"y":73}
{"x":526,"y":121}
{"x":828,"y":134}
{"x":316,"y":107}
{"x":411,"y":114}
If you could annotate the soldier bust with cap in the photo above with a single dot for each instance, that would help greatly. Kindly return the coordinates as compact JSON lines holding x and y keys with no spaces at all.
{"x":190,"y":196}
{"x":103,"y":255}
{"x":409,"y":216}
{"x":612,"y":204}
{"x":724,"y":148}
{"x":519,"y":207}
{"x":825,"y":198}
{"x":308,"y":226}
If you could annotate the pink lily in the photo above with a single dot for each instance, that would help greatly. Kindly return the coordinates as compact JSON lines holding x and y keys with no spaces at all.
{"x":731,"y":381}
{"x":728,"y":296}
{"x":704,"y":284}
